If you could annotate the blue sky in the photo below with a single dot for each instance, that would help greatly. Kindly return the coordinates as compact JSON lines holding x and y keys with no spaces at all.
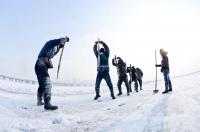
{"x":132,"y":29}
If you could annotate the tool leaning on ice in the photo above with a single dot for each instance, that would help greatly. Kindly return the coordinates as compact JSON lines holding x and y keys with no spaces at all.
{"x":102,"y":56}
{"x":43,"y":63}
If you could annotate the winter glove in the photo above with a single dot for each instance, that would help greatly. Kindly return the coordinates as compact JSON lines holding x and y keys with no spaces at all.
{"x":100,"y":42}
{"x":96,"y":42}
{"x":113,"y":60}
{"x":61,"y":46}
{"x":128,"y":70}
{"x":64,"y":40}
{"x":157,"y":65}
{"x":48,"y":62}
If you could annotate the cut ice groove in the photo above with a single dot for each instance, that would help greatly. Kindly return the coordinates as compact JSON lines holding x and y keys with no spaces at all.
{"x":99,"y":100}
{"x":121,"y":104}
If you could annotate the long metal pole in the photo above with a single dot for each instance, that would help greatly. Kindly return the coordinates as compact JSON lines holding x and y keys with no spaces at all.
{"x":156,"y":71}
{"x":60,"y":61}
{"x":98,"y":48}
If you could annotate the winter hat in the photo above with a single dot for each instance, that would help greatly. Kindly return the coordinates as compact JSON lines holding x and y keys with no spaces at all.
{"x":163,"y":52}
{"x":121,"y":62}
{"x":101,"y":50}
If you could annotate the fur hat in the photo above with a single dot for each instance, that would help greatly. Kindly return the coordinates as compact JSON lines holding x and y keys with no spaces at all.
{"x":163,"y":52}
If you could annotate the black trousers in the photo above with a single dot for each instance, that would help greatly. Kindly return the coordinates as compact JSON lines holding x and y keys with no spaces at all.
{"x":140,"y":83}
{"x":120,"y":81}
{"x":43,"y":78}
{"x":106,"y":76}
{"x":135,"y":85}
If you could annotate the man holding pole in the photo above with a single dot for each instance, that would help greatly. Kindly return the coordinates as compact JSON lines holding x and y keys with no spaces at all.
{"x":165,"y":70}
{"x":43,"y":63}
{"x":102,"y":56}
{"x":132,"y":72}
{"x":122,"y":76}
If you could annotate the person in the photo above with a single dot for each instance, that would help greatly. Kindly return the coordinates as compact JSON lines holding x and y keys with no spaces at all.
{"x":139,"y":75}
{"x":122,"y":76}
{"x":102,"y":56}
{"x":43,"y":63}
{"x":133,"y":78}
{"x":165,"y":70}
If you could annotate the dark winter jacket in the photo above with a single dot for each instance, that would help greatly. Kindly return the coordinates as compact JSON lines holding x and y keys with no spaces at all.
{"x":103,"y":64}
{"x":132,"y":71}
{"x":121,"y":67}
{"x":50,"y":49}
{"x":139,"y":73}
{"x":164,"y":63}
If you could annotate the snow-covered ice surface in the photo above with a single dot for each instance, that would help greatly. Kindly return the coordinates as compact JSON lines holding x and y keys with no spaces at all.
{"x":78,"y":112}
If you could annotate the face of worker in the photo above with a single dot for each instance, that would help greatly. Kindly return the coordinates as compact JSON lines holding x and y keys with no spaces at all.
{"x":101,"y":53}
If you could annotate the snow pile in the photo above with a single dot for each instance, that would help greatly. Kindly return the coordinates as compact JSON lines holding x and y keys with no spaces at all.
{"x":78,"y":112}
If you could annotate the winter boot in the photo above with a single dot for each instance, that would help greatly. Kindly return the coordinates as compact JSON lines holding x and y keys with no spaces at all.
{"x":119,"y":94}
{"x":136,"y":87}
{"x":170,"y":87}
{"x":164,"y":92}
{"x":120,"y":91}
{"x":112,"y":94}
{"x":39,"y":99}
{"x":47,"y":104}
{"x":128,"y":93}
{"x":130,"y":89}
{"x":166,"y":89}
{"x":97,"y":94}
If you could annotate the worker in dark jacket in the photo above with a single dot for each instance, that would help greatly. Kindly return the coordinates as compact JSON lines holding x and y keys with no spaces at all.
{"x":122,"y":76}
{"x":43,"y":63}
{"x":133,"y":78}
{"x":139,"y":75}
{"x":165,"y":70}
{"x":102,"y":56}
